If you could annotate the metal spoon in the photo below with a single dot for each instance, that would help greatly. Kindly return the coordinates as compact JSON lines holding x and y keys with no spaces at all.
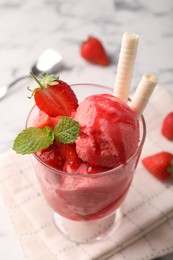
{"x":50,"y":61}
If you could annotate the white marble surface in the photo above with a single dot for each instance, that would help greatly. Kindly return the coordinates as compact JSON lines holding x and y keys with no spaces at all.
{"x":29,"y":27}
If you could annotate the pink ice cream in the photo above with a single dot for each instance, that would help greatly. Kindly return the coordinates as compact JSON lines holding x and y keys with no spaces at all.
{"x":109,"y":136}
{"x":109,"y":131}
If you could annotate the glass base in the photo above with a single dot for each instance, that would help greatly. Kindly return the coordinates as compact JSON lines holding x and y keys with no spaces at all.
{"x":87,"y":231}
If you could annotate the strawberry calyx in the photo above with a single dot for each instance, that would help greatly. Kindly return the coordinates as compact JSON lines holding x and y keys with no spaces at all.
{"x":47,"y":80}
{"x":170,"y":169}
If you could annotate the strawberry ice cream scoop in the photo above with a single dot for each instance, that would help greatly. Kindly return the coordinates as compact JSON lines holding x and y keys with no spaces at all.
{"x":109,"y":131}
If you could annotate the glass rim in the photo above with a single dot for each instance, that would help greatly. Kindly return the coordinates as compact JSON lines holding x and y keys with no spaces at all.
{"x":107,"y":172}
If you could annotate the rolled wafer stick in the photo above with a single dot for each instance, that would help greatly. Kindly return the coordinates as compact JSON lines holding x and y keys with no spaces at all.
{"x":125,"y":65}
{"x":143,"y":92}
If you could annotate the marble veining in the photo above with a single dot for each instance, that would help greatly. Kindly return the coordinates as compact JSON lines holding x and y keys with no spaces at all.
{"x":29,"y":27}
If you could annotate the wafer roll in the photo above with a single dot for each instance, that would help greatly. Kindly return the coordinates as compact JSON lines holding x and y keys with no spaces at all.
{"x":125,"y":65}
{"x":143,"y":92}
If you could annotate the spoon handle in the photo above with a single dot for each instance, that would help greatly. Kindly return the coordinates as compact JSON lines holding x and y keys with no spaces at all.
{"x":17,"y":80}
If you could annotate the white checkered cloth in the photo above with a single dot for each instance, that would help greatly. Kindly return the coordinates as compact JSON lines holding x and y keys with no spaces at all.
{"x":145,"y":230}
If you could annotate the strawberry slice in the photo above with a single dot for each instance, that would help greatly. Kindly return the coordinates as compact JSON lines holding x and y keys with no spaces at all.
{"x":71,"y":156}
{"x":55,"y":97}
{"x":160,"y":165}
{"x":53,"y":156}
{"x":93,"y":51}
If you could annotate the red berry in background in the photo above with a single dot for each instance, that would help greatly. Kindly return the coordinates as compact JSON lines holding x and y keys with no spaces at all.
{"x":160,"y":165}
{"x":167,"y":126}
{"x":93,"y":51}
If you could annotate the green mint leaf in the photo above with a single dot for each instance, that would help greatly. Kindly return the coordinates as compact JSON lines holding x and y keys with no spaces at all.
{"x":67,"y":130}
{"x":33,"y":139}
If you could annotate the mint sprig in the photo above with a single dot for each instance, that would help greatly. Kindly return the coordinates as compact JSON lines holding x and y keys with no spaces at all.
{"x":36,"y":139}
{"x":66,"y":130}
{"x":33,"y":139}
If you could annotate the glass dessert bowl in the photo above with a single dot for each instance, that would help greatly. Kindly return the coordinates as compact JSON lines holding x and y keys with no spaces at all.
{"x":85,"y":206}
{"x":86,"y":183}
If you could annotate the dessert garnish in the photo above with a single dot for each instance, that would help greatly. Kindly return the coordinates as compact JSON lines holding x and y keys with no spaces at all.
{"x":34,"y":139}
{"x":125,"y":65}
{"x":143,"y":93}
{"x":55,"y":98}
{"x":125,"y":72}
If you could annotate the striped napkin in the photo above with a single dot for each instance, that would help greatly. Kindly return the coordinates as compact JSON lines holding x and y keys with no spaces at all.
{"x":144,"y":231}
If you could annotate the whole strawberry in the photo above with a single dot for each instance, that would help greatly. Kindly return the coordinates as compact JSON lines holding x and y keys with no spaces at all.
{"x":160,"y":165}
{"x":93,"y":51}
{"x":167,"y":126}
